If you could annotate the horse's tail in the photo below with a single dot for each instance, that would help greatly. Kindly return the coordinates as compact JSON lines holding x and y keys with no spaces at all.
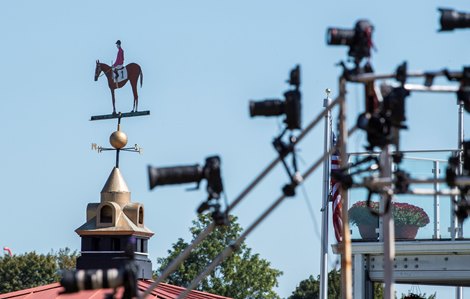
{"x":141,"y":77}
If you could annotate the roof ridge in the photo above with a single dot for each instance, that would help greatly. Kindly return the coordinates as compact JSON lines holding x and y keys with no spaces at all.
{"x":163,"y":291}
{"x":30,"y":290}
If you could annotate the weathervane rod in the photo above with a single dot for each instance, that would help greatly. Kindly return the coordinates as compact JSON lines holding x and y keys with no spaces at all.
{"x":117,"y":158}
{"x":118,"y":139}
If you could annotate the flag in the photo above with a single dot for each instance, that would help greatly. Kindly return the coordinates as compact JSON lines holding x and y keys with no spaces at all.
{"x":335,"y":195}
{"x":8,"y":250}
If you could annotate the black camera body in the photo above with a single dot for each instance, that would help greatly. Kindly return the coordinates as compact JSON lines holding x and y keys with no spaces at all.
{"x":358,"y":39}
{"x":453,"y":173}
{"x":463,"y":95}
{"x":211,"y":172}
{"x":454,"y":164}
{"x":383,"y":126}
{"x":195,"y":174}
{"x":291,"y":106}
{"x":451,"y":19}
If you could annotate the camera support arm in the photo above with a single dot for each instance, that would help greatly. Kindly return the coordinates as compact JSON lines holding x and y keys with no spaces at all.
{"x":462,"y":76}
{"x":235,"y":244}
{"x":283,"y":150}
{"x":366,"y":77}
{"x":184,"y":255}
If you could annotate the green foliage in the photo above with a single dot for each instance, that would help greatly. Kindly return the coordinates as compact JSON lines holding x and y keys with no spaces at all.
{"x":359,"y":214}
{"x":66,"y":259}
{"x":31,"y":269}
{"x":310,"y":288}
{"x":26,"y":271}
{"x":418,"y":296}
{"x":379,"y":290}
{"x":242,"y":275}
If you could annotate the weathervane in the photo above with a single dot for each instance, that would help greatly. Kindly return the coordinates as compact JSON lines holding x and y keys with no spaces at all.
{"x":118,"y":75}
{"x":118,"y":139}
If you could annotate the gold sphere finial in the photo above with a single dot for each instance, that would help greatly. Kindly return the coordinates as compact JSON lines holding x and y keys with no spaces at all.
{"x":118,"y":139}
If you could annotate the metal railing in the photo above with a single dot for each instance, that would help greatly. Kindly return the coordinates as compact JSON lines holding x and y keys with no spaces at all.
{"x":424,"y":164}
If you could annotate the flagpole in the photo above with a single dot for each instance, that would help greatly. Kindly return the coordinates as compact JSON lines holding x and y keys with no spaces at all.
{"x":459,"y":290}
{"x":326,"y":192}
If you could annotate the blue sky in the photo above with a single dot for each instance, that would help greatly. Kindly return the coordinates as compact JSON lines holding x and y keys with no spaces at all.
{"x":202,"y":62}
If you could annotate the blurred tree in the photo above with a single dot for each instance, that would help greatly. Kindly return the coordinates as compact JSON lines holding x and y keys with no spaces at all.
{"x":310,"y":287}
{"x":417,"y":296}
{"x":66,"y":259}
{"x":30,"y":269}
{"x":242,"y":275}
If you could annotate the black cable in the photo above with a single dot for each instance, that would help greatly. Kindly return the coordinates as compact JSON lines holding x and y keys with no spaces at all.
{"x":371,"y":209}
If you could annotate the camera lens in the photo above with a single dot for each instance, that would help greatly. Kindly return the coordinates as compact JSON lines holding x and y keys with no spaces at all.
{"x":266,"y":108}
{"x":174,"y":175}
{"x":336,"y":36}
{"x":75,"y":281}
{"x":451,"y":19}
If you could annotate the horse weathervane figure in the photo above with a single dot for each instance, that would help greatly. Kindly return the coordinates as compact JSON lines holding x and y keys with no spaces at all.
{"x":118,"y":75}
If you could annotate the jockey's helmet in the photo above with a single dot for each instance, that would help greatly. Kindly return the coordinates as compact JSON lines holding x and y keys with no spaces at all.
{"x":118,"y":42}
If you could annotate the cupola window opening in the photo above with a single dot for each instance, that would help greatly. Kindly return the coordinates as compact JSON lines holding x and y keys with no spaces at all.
{"x":106,"y":214}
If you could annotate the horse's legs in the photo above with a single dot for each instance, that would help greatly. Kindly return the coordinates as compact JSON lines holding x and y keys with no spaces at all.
{"x":136,"y":96}
{"x":114,"y":103}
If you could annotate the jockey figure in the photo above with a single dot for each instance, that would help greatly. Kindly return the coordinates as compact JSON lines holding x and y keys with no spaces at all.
{"x":119,"y":63}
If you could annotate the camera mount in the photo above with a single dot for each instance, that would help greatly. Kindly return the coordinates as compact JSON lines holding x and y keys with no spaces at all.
{"x":463,"y":94}
{"x":383,"y":121}
{"x":195,"y":173}
{"x":185,"y":253}
{"x":373,"y":184}
{"x":359,"y":40}
{"x":290,"y":107}
{"x":284,"y":149}
{"x":458,"y":175}
{"x":385,"y":115}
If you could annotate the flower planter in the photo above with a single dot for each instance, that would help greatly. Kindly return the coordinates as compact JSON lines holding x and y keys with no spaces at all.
{"x":402,"y":232}
{"x":367,"y":232}
{"x":406,"y":231}
{"x":408,"y":219}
